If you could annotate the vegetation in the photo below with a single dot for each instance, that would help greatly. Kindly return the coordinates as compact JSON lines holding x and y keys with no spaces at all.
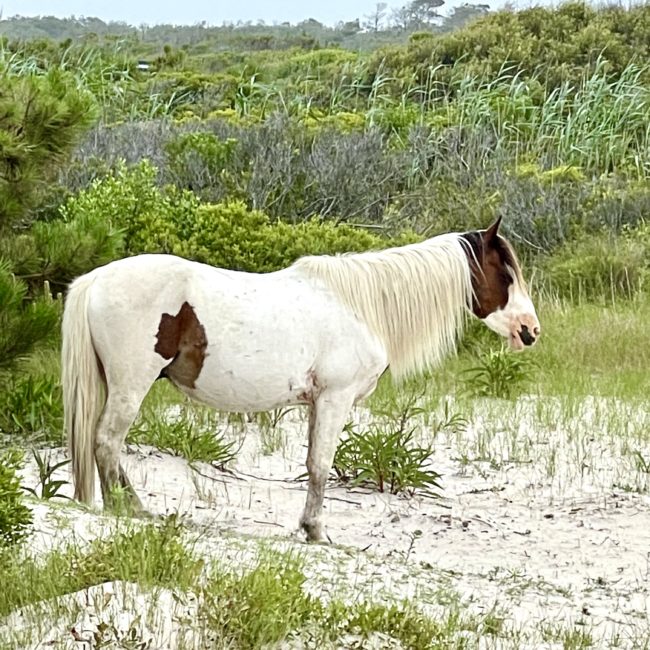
{"x":248,"y":146}
{"x":15,"y":516}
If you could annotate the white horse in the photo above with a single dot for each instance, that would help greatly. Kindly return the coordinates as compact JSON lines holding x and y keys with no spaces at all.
{"x":319,"y":333}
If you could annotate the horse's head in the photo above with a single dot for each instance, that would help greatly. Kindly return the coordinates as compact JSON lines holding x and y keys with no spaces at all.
{"x":500,"y":297}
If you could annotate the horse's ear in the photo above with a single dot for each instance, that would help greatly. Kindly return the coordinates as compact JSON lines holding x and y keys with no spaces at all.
{"x":492,"y":232}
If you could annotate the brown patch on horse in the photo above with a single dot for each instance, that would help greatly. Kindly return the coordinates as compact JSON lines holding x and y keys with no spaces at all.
{"x":182,"y":338}
{"x":313,"y":389}
{"x":492,"y":263}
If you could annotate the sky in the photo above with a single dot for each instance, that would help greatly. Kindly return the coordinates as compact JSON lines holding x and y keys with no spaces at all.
{"x":214,"y":12}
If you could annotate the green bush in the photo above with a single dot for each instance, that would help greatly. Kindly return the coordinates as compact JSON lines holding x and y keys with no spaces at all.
{"x":23,"y":325}
{"x":601,"y":265}
{"x":230,"y":235}
{"x":31,"y":406}
{"x":204,"y":163}
{"x":386,"y":458}
{"x":15,"y":516}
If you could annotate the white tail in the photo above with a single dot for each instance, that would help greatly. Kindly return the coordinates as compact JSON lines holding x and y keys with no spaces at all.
{"x":83,"y":395}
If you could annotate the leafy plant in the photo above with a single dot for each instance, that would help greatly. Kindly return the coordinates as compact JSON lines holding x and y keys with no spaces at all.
{"x":260,"y":607}
{"x":15,"y":516}
{"x":499,"y":373}
{"x":151,"y":555}
{"x":49,"y":486}
{"x":32,"y":406}
{"x":387,"y":459}
{"x":23,"y":325}
{"x":192,"y":434}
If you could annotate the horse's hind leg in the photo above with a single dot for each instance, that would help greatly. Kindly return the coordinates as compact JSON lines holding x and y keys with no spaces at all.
{"x":327,"y":417}
{"x":119,"y":413}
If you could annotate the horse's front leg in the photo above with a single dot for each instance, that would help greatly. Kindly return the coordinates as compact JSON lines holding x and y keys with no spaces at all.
{"x":327,"y":416}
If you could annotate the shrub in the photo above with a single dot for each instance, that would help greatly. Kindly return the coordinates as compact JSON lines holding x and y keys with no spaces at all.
{"x":231,"y":236}
{"x":15,"y":516}
{"x":203,"y":162}
{"x":601,"y":265}
{"x":22,"y":325}
{"x":386,"y":458}
{"x":193,"y":435}
{"x":499,"y":373}
{"x":32,"y":406}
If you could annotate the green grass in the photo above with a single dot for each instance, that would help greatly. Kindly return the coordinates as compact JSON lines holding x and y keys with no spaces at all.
{"x":194,"y":434}
{"x":586,"y":349}
{"x":151,"y":555}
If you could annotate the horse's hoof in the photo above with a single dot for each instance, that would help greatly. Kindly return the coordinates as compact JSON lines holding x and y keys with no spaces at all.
{"x":315,"y":533}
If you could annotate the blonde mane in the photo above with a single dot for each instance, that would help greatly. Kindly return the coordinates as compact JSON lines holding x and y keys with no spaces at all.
{"x":413,"y":298}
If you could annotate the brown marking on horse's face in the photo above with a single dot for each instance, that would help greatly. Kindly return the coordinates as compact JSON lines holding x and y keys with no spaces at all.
{"x":182,"y":338}
{"x":489,"y":259}
{"x":500,"y":296}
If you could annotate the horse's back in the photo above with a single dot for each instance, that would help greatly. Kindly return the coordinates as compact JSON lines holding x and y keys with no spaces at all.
{"x":241,"y":341}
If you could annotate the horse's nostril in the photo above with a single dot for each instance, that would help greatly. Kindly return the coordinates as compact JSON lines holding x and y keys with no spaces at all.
{"x":536,"y":331}
{"x":526,"y":337}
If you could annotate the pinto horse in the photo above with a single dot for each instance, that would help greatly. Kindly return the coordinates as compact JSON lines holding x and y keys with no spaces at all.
{"x":319,"y":333}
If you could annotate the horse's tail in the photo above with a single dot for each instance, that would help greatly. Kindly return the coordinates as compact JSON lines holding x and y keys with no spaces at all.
{"x":83,"y":397}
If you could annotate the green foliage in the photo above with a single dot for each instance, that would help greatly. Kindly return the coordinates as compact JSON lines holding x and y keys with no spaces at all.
{"x":131,"y":202}
{"x":231,"y":236}
{"x":598,"y":265}
{"x":261,"y":606}
{"x":205,"y":163}
{"x":23,"y":324}
{"x":49,"y":486}
{"x":386,"y":458}
{"x":152,"y":555}
{"x":226,"y":234}
{"x":31,"y":406}
{"x":41,"y":118}
{"x":192,"y":434}
{"x":15,"y":516}
{"x":557,"y":44}
{"x":498,"y":373}
{"x":58,"y":251}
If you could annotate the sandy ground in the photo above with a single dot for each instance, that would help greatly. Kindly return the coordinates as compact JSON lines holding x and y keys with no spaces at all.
{"x":543,"y":537}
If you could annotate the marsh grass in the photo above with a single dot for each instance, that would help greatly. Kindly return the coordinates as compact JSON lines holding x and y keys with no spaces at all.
{"x":269,"y":602}
{"x":194,"y":433}
{"x":151,"y":555}
{"x":49,"y":487}
{"x":386,"y":457}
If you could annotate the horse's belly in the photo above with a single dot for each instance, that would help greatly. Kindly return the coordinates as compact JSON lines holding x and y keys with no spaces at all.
{"x":254,"y":379}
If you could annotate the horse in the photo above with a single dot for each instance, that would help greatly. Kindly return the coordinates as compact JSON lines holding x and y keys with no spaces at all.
{"x":318,"y":333}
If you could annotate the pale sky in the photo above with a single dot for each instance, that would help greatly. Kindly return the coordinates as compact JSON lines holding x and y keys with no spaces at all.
{"x":215,"y":12}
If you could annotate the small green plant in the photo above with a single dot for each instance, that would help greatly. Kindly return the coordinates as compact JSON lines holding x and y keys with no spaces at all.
{"x":15,"y":516}
{"x":386,"y":459}
{"x":642,"y":465}
{"x":260,"y":607}
{"x":49,"y":486}
{"x":272,"y":437}
{"x":193,"y":434}
{"x":499,"y":373}
{"x":151,"y":555}
{"x":32,"y":406}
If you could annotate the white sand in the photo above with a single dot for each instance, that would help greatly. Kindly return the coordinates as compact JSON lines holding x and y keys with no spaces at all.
{"x":539,"y":531}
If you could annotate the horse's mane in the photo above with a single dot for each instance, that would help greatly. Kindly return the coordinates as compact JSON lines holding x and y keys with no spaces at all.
{"x":414,"y":298}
